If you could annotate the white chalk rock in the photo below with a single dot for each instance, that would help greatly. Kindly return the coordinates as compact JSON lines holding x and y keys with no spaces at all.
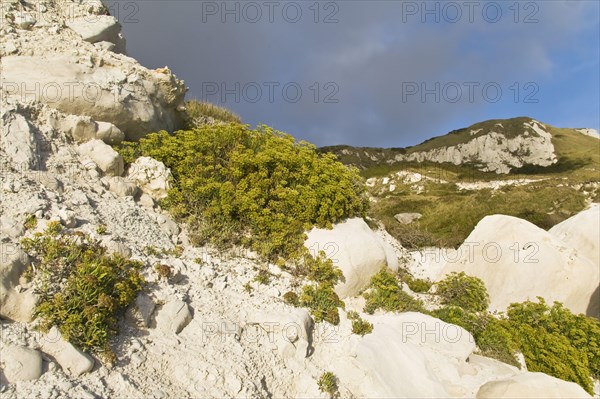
{"x":518,"y":261}
{"x":174,"y":316}
{"x":153,"y":177}
{"x":108,"y":160}
{"x":355,"y":249}
{"x":72,"y":360}
{"x":15,"y":304}
{"x":20,"y":363}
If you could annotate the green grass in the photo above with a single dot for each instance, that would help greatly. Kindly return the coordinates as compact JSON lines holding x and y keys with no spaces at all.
{"x":449,"y":215}
{"x":197,"y":110}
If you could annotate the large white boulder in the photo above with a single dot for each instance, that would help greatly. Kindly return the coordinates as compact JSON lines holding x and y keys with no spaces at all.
{"x":72,"y":360}
{"x":153,"y":177}
{"x":108,"y":160}
{"x":408,"y":355}
{"x":15,"y":304}
{"x":531,"y":386}
{"x":20,"y":363}
{"x":518,"y":261}
{"x":355,"y":249}
{"x":582,"y":232}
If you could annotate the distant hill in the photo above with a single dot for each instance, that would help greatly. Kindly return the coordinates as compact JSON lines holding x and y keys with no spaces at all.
{"x":500,"y":145}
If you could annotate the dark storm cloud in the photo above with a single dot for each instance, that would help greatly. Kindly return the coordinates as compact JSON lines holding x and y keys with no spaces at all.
{"x":354,"y":74}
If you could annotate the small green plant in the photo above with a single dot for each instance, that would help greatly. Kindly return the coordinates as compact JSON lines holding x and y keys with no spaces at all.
{"x":30,"y":222}
{"x":199,"y":261}
{"x":54,"y":228}
{"x":164,"y":271}
{"x":352,"y":315}
{"x":101,"y":229}
{"x":361,"y":327}
{"x":152,"y":251}
{"x":418,"y":284}
{"x":385,"y":293}
{"x":319,"y":269}
{"x":263,"y":277}
{"x":291,"y":298}
{"x":467,"y":292}
{"x":328,"y":383}
{"x":248,"y":288}
{"x":323,"y":302}
{"x":82,"y":290}
{"x":176,"y":251}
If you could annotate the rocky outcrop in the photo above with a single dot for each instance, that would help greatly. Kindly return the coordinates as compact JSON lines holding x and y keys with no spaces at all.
{"x":355,"y":249}
{"x":60,"y":67}
{"x":518,"y":261}
{"x":495,"y":151}
{"x":99,"y":29}
{"x":84,"y":128}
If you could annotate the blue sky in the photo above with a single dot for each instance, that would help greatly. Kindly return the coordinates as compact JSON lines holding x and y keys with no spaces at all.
{"x":377,"y":73}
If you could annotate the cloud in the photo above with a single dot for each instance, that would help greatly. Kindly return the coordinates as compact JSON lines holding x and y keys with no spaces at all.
{"x":353,"y":74}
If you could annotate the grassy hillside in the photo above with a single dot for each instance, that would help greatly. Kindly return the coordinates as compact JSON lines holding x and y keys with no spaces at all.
{"x":453,"y":199}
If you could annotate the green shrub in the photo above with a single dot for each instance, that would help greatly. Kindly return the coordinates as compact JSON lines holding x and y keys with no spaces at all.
{"x":82,"y":290}
{"x":576,"y":339}
{"x":323,"y":302}
{"x":263,"y":277}
{"x":496,"y":340}
{"x":492,"y":335}
{"x":359,"y":325}
{"x":552,"y":339}
{"x":467,"y":292}
{"x":320,"y":269}
{"x":291,"y":298}
{"x":101,"y":229}
{"x":418,"y":284}
{"x":198,"y":110}
{"x":260,"y":188}
{"x":328,"y":384}
{"x":387,"y":294}
{"x":554,"y":355}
